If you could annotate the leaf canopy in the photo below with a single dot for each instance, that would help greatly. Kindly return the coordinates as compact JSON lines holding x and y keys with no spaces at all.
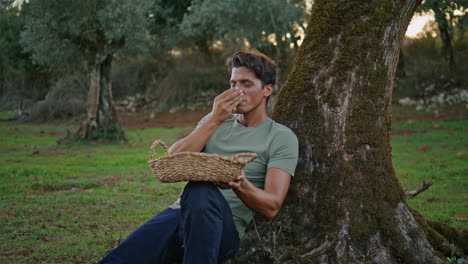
{"x":58,"y":31}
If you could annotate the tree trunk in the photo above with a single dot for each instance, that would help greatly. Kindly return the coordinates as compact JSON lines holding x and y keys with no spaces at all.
{"x":101,"y":117}
{"x":345,"y":204}
{"x":446,"y":37}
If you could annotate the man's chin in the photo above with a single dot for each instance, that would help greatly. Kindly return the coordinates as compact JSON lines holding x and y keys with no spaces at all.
{"x":241,"y":108}
{"x":240,"y":111}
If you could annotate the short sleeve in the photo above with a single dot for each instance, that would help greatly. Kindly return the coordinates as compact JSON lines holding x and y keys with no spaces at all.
{"x":203,"y":120}
{"x":284,"y":151}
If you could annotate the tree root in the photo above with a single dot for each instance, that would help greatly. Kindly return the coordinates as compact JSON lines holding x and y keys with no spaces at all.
{"x":424,"y":186}
{"x":441,"y":236}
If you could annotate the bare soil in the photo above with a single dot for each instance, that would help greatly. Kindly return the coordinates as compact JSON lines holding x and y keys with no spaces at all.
{"x":161,"y":119}
{"x":190,"y":118}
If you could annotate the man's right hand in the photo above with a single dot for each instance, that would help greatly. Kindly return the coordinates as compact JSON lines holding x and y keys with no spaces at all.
{"x":222,"y":109}
{"x":224,"y":104}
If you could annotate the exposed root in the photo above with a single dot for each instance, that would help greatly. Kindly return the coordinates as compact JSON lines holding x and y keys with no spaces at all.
{"x":424,"y":186}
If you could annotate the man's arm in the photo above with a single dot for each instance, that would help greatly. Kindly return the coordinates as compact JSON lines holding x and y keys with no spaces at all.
{"x":222,"y":109}
{"x":266,"y":202}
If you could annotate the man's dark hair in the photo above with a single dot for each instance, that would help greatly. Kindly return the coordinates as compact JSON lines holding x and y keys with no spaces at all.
{"x":263,"y":67}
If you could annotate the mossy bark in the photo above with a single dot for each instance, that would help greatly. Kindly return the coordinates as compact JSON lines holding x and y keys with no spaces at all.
{"x":101,"y":116}
{"x":345,"y":204}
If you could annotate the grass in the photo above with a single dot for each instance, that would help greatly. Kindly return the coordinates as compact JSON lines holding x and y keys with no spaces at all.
{"x":73,"y":203}
{"x":434,"y":151}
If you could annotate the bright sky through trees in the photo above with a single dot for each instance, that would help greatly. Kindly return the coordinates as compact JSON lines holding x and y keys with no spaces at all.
{"x":417,"y":24}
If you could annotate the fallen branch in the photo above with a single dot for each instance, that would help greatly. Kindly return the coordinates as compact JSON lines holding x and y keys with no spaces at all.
{"x":424,"y":186}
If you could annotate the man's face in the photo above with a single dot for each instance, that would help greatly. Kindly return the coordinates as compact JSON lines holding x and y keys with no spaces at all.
{"x":253,"y":93}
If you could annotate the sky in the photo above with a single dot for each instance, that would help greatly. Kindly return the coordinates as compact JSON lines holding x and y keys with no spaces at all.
{"x":417,"y":24}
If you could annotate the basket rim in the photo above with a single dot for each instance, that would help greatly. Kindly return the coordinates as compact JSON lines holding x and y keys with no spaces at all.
{"x":210,"y":155}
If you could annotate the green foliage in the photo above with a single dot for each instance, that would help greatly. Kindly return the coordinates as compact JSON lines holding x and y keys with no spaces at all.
{"x":110,"y":134}
{"x":239,"y":20}
{"x":453,"y":259}
{"x":201,"y":75}
{"x":445,"y":11}
{"x":11,"y":52}
{"x":21,"y":82}
{"x":5,"y":5}
{"x":166,"y":17}
{"x":63,"y":30}
{"x":412,"y":79}
{"x":203,"y":33}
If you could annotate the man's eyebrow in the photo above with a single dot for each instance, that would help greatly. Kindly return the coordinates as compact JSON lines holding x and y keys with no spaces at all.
{"x":242,"y":80}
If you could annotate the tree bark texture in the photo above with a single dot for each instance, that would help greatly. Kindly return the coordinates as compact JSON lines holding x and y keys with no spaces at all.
{"x":345,"y":204}
{"x":101,"y":117}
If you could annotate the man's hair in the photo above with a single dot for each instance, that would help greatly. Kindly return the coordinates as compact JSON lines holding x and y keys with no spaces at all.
{"x":263,"y":67}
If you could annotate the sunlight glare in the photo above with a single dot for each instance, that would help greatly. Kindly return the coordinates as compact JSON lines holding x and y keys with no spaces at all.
{"x":417,"y":24}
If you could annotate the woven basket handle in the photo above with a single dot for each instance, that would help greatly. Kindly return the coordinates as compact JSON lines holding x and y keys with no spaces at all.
{"x":245,"y":155}
{"x":153,"y":147}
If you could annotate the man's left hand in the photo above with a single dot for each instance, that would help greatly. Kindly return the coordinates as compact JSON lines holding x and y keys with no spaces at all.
{"x":235,"y":184}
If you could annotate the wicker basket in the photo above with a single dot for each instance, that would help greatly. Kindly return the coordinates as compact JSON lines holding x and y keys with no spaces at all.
{"x":196,"y":166}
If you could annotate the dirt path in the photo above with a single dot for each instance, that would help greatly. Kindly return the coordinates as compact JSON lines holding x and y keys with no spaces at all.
{"x":191,"y":118}
{"x":161,"y":119}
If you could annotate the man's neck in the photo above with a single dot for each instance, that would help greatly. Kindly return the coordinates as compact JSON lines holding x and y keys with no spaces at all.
{"x":253,"y":118}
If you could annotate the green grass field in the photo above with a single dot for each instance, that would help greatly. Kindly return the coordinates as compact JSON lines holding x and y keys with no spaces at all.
{"x":434,"y":152}
{"x":73,"y":203}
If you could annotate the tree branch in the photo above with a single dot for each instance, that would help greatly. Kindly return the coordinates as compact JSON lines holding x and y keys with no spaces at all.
{"x":424,"y":186}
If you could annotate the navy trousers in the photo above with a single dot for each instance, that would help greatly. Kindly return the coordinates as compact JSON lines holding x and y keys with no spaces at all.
{"x":201,"y":231}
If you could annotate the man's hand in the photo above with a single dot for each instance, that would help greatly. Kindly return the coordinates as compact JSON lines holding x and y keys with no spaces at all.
{"x":235,"y":184}
{"x":222,"y":109}
{"x":224,"y":104}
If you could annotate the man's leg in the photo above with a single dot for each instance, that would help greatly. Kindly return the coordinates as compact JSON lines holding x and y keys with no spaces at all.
{"x":208,"y":229}
{"x":156,"y":241}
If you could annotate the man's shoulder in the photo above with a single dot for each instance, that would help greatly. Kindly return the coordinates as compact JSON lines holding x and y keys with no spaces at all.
{"x":230,"y":119}
{"x":281,"y":130}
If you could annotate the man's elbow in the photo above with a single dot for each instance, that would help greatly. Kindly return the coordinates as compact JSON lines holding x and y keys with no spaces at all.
{"x":172,"y":150}
{"x":272,"y":212}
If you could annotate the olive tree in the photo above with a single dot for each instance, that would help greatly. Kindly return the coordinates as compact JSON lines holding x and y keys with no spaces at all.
{"x":345,"y":204}
{"x":272,"y":26}
{"x":446,"y":18}
{"x":89,"y":31}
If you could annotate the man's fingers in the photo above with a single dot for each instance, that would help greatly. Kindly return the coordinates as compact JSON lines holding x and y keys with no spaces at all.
{"x":228,"y":105}
{"x":232,"y":104}
{"x":222,"y":185}
{"x":229,"y":95}
{"x":240,"y":178}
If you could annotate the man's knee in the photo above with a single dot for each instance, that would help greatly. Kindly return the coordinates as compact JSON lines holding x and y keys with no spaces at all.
{"x":200,"y":196}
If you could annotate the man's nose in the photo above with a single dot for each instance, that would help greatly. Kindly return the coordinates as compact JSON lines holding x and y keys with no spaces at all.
{"x":239,"y":88}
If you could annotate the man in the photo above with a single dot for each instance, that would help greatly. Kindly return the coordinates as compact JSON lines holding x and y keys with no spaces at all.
{"x":206,"y":223}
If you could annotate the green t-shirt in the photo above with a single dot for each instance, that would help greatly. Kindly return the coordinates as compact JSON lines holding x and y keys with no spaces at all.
{"x":276,"y":146}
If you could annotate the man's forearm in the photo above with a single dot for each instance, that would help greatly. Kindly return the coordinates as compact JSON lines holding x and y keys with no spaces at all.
{"x":260,"y":201}
{"x":267,"y":201}
{"x":196,"y":140}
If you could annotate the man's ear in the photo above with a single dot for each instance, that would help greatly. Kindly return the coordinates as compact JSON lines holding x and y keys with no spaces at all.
{"x":268,"y":90}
